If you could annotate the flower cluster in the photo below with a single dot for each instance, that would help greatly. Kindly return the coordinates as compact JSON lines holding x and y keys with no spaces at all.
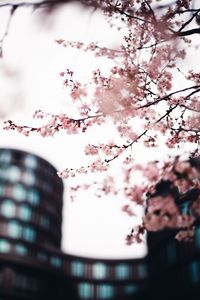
{"x":139,"y":95}
{"x":96,"y":166}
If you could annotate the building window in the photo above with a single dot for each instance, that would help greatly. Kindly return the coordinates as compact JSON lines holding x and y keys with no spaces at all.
{"x":122,"y":271}
{"x":77,"y":268}
{"x":29,"y":234}
{"x":25,"y":212}
{"x":2,"y":189}
{"x":194,"y":272}
{"x":4,"y":246}
{"x":21,"y":250}
{"x":19,"y":192}
{"x":33,"y":196}
{"x":5,"y":156}
{"x":29,"y":178}
{"x":8,"y":209}
{"x":56,"y":261}
{"x":14,"y":229}
{"x":2,"y":173}
{"x":142,"y":271}
{"x":44,"y":221}
{"x":130,"y":289}
{"x":12,"y":173}
{"x":185,"y":208}
{"x":30,"y":161}
{"x":41,"y":256}
{"x":197,"y":236}
{"x":171,"y":252}
{"x":47,"y":187}
{"x":25,"y":283}
{"x":86,"y":290}
{"x":99,"y":271}
{"x":105,"y":291}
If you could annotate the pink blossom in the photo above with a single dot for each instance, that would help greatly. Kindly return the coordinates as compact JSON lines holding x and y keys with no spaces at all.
{"x":126,"y":208}
{"x":91,"y":150}
{"x":149,"y":98}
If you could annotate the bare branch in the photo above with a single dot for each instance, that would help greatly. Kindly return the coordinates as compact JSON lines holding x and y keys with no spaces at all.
{"x":190,"y":20}
{"x":188,"y":32}
{"x":12,"y":11}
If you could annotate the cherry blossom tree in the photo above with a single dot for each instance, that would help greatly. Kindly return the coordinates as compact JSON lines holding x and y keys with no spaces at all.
{"x":151,"y":97}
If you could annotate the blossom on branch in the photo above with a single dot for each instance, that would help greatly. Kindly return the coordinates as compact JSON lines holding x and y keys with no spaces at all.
{"x":139,"y":96}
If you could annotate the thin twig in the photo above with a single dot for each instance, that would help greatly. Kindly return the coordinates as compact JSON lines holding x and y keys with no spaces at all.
{"x":12,"y":11}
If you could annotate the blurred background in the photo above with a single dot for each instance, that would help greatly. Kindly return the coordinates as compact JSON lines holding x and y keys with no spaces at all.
{"x":29,"y":80}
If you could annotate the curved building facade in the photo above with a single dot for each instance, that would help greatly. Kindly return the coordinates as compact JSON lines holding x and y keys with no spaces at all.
{"x":32,"y":266}
{"x":30,"y":199}
{"x":30,"y":223}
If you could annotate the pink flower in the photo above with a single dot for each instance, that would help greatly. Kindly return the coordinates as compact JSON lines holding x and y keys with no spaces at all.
{"x":91,"y":150}
{"x":126,"y":208}
{"x":62,"y":74}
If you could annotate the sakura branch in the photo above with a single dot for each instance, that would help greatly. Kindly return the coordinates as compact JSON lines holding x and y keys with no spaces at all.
{"x":55,"y":124}
{"x":139,"y":96}
{"x":167,"y":197}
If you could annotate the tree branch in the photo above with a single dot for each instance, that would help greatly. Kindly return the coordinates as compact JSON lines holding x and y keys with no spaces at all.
{"x":131,"y":16}
{"x":188,"y":32}
{"x":189,"y":21}
{"x":12,"y":11}
{"x":197,"y":87}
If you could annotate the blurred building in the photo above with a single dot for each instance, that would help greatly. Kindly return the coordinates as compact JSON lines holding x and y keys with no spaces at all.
{"x":32,"y":265}
{"x":174,"y":266}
